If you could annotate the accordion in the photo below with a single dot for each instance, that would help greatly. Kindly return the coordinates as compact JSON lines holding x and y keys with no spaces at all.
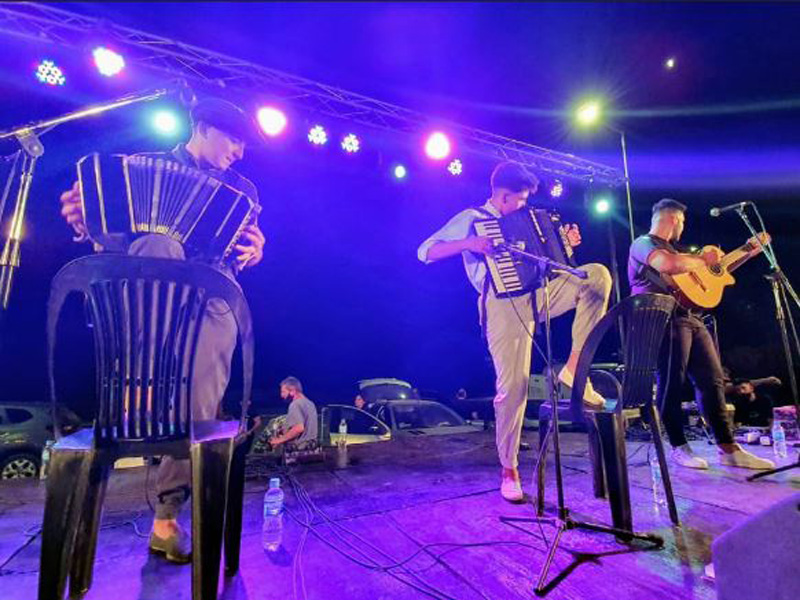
{"x":126,"y":195}
{"x":533,"y":230}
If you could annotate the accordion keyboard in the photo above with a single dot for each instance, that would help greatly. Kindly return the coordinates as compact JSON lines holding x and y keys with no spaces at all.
{"x":502,"y":264}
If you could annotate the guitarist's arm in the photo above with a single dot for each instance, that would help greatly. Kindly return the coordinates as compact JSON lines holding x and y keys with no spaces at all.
{"x":672,"y":263}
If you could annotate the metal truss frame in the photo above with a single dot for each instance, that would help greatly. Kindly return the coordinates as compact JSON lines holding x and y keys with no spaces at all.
{"x":48,"y":23}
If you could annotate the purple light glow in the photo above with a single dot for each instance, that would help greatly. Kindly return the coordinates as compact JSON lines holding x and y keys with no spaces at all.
{"x":108,"y":62}
{"x":271,"y":120}
{"x":437,"y":146}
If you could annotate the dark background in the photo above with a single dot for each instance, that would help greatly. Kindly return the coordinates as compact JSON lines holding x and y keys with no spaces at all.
{"x":340,"y":295}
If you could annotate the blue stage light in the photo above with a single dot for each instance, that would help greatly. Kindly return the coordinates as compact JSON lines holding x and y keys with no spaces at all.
{"x":108,"y":62}
{"x":166,"y":122}
{"x":400,"y":172}
{"x":351,"y":143}
{"x":49,"y":73}
{"x":318,"y":136}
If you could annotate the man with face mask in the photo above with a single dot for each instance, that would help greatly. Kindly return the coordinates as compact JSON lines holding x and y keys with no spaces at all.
{"x":509,"y":322}
{"x":653,"y":258}
{"x":220,"y":131}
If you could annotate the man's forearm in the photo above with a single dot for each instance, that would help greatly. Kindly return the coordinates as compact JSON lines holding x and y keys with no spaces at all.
{"x":675,"y":264}
{"x":294,"y":431}
{"x":443,"y":249}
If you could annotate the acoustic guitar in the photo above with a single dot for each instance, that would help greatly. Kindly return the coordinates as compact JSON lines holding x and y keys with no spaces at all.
{"x":703,"y":288}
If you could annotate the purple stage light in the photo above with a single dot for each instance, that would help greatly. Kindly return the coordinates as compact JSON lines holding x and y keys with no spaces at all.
{"x":400,"y":172}
{"x":108,"y":62}
{"x":351,"y":143}
{"x":455,"y":167}
{"x":271,"y":120}
{"x":48,"y":72}
{"x":318,"y":136}
{"x":437,"y":146}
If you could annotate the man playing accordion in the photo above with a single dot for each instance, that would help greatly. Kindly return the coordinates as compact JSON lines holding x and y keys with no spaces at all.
{"x":509,"y":322}
{"x":220,"y":131}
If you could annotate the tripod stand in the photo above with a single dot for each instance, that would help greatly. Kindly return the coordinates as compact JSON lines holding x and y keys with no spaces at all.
{"x":782,"y":290}
{"x":563,"y":521}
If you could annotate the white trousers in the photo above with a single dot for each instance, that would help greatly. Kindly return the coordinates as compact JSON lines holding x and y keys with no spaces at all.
{"x":509,"y":330}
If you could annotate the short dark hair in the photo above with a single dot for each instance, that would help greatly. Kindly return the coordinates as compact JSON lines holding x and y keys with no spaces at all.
{"x":668,"y":205}
{"x":513,"y":176}
{"x":293,"y":382}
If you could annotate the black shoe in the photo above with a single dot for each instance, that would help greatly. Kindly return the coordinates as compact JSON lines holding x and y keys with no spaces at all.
{"x":177,"y":548}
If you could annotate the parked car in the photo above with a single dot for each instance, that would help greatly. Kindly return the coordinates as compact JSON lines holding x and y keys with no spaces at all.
{"x":397,"y":404}
{"x":25,"y":427}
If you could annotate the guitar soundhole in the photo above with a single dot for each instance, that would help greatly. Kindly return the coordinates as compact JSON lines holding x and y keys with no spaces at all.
{"x":716,"y":269}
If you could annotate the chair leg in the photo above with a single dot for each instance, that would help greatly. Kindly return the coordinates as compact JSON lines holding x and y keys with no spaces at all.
{"x":612,"y":440}
{"x":66,"y":484}
{"x":655,"y":425}
{"x":210,"y":469}
{"x":233,"y":516}
{"x":544,"y":428}
{"x":596,"y":458}
{"x":91,"y":509}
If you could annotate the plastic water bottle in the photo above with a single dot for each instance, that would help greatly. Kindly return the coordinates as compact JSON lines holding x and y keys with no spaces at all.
{"x":343,"y":432}
{"x":45,"y":468}
{"x":659,"y":497}
{"x":272,"y":531}
{"x":779,"y":440}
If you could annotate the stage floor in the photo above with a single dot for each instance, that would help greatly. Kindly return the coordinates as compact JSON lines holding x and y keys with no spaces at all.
{"x":399,"y":496}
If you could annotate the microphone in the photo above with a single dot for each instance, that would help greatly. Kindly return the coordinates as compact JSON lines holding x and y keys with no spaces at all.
{"x":715,"y":212}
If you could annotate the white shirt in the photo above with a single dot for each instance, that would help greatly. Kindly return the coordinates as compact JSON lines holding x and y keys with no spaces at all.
{"x":460,"y":228}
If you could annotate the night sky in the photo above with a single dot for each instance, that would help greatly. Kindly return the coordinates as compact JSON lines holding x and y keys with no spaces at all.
{"x":340,"y":295}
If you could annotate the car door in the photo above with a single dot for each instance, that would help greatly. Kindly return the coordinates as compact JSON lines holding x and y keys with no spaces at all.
{"x":362,"y":427}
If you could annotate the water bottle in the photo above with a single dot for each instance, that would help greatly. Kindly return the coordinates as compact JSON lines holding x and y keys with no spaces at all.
{"x":343,"y":432}
{"x":45,"y":468}
{"x":659,"y":498}
{"x":779,"y":440}
{"x":272,"y":531}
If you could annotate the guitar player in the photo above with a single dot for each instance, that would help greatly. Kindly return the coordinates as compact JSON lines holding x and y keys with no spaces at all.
{"x":652,"y":261}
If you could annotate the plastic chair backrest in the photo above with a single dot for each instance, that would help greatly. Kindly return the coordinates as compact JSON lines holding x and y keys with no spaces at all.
{"x":146,"y":315}
{"x":644,"y":318}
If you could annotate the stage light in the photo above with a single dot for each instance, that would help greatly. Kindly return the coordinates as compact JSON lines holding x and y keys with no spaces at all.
{"x":455,"y":167}
{"x":400,"y":172}
{"x":271,"y":120}
{"x":556,"y":189}
{"x":351,"y":143}
{"x":48,"y":72}
{"x":165,"y":122}
{"x":670,"y":63}
{"x":437,"y":146}
{"x":318,"y":136}
{"x":108,"y":62}
{"x":602,"y":206}
{"x":588,"y":113}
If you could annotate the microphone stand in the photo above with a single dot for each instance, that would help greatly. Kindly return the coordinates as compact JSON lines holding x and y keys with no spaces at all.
{"x":32,"y":149}
{"x":781,"y":286}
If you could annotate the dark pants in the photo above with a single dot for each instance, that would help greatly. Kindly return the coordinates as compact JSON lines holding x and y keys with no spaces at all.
{"x":215,"y":346}
{"x":693,"y":354}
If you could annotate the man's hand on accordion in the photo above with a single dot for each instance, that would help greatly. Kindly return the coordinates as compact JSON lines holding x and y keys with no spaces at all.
{"x":72,"y":212}
{"x":573,"y":234}
{"x":251,"y":252}
{"x":479,"y":245}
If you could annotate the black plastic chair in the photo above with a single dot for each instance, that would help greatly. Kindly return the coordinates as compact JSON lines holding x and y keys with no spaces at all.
{"x":146,"y":315}
{"x":645,"y":318}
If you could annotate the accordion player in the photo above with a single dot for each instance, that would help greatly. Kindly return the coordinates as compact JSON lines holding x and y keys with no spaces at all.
{"x":123,"y":196}
{"x":535,"y":231}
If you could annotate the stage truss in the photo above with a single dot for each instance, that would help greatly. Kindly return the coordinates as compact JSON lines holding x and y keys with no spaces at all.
{"x":45,"y":22}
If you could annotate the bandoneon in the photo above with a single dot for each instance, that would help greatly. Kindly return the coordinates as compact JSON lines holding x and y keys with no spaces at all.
{"x":534,"y":230}
{"x":128,"y":195}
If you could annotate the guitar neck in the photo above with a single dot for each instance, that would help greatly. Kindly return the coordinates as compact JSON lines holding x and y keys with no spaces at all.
{"x":736,"y":258}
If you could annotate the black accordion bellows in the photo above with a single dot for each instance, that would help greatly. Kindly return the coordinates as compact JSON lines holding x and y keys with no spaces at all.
{"x":138,"y":194}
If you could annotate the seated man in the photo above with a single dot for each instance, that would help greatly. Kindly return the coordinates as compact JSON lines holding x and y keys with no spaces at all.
{"x":301,"y":420}
{"x":752,"y":401}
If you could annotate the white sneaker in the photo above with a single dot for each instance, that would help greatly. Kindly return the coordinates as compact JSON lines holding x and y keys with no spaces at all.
{"x":742,"y":458}
{"x":511,"y":489}
{"x":685,"y":457}
{"x":590,"y":397}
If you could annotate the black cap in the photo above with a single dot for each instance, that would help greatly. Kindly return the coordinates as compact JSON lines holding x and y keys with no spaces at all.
{"x":226,"y":117}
